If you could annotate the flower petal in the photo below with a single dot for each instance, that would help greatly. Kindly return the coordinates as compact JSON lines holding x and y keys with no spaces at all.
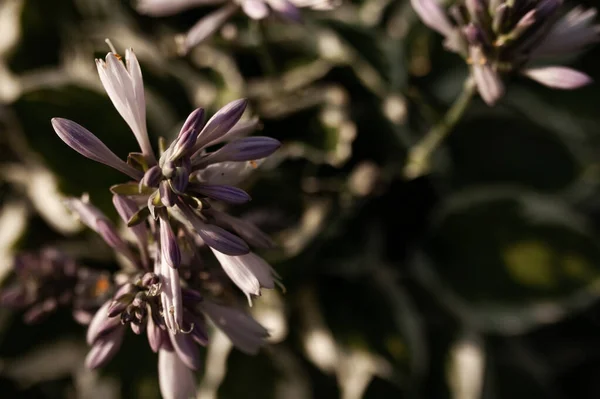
{"x":221,"y":122}
{"x":249,"y":272}
{"x":433,"y":15}
{"x":244,"y":149}
{"x":175,"y":379}
{"x":187,"y":350}
{"x":243,"y":331}
{"x":207,"y":26}
{"x":229,"y":194}
{"x":558,"y":77}
{"x":84,"y":142}
{"x":104,"y":349}
{"x":125,"y":89}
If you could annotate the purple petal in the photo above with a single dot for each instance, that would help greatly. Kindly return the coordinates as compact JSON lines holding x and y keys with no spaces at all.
{"x":241,"y":129}
{"x":168,"y":244}
{"x":216,"y":237}
{"x":104,"y":349}
{"x":221,"y":240}
{"x":433,"y":15}
{"x":187,"y":350}
{"x":101,"y":324}
{"x":207,"y":26}
{"x":246,"y":230}
{"x":152,"y":177}
{"x":243,"y":331}
{"x":229,"y":194}
{"x":221,"y":122}
{"x":167,"y":196}
{"x":245,"y":149}
{"x":175,"y":379}
{"x":558,"y":77}
{"x":126,"y":209}
{"x":155,"y":335}
{"x":84,"y":142}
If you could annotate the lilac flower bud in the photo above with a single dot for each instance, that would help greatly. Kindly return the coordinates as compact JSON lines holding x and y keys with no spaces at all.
{"x":245,"y":149}
{"x":246,"y":230}
{"x":101,"y":324}
{"x":558,"y":77}
{"x":104,"y":349}
{"x":188,"y":135}
{"x":152,"y":177}
{"x":180,"y":179}
{"x":221,"y":122}
{"x":84,"y":142}
{"x":155,"y":335}
{"x":229,"y":194}
{"x":241,"y":129}
{"x":214,"y":236}
{"x":167,"y":197}
{"x":149,"y":279}
{"x":176,"y":380}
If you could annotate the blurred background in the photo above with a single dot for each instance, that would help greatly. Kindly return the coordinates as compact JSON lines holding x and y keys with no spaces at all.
{"x":480,"y":280}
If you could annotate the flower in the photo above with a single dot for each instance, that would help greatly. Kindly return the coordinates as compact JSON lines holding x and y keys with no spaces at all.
{"x":501,"y":37}
{"x":185,"y":179}
{"x":171,"y":308}
{"x":170,"y":206}
{"x":255,"y":9}
{"x":48,"y":279}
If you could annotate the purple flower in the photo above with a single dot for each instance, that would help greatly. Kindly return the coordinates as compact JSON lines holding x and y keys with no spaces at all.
{"x":169,"y":208}
{"x":502,"y":37}
{"x":48,"y":279}
{"x":254,"y":9}
{"x":181,"y":183}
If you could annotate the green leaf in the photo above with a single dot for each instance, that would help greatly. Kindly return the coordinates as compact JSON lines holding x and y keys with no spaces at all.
{"x":139,"y":217}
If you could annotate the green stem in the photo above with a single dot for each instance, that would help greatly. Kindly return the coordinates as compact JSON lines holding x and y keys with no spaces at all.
{"x":418,"y":160}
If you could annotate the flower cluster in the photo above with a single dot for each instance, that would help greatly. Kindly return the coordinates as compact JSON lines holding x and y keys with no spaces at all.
{"x":171,"y":207}
{"x":255,"y":9}
{"x":47,"y":279}
{"x":500,"y":37}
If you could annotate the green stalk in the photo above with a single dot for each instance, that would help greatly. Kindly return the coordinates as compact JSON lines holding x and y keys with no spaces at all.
{"x":419,"y":156}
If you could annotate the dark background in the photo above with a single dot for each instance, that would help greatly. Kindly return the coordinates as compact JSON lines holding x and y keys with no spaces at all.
{"x":480,"y":280}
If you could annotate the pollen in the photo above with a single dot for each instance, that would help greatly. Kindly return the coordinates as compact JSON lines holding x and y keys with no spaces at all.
{"x":253,"y":164}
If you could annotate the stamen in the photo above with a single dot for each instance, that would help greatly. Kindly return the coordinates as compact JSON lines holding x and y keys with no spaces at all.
{"x":253,"y":164}
{"x":187,"y":331}
{"x":113,"y":49}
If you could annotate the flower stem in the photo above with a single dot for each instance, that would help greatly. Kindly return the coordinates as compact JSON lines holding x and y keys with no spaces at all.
{"x":418,"y":159}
